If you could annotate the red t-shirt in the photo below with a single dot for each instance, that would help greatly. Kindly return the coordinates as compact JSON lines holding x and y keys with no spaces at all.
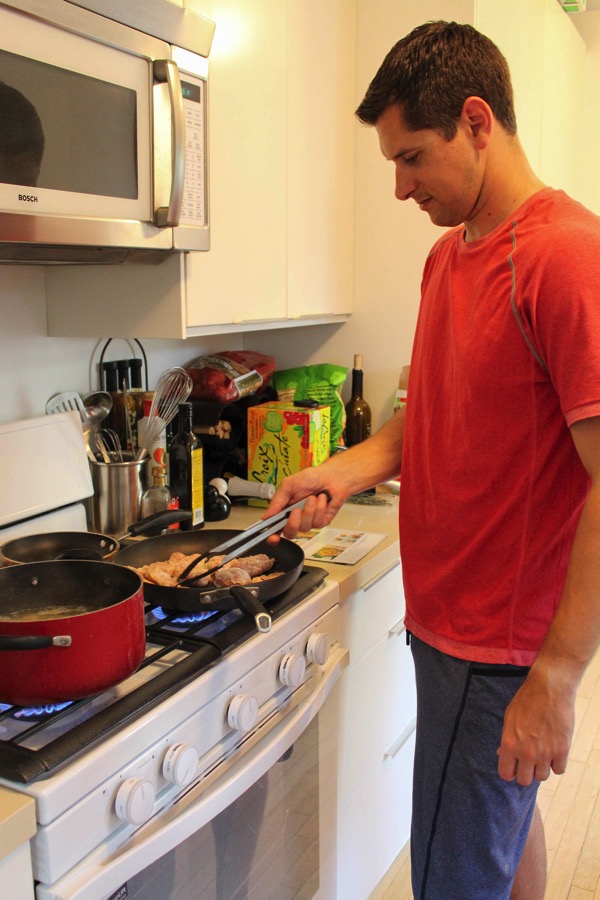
{"x":506,"y":357}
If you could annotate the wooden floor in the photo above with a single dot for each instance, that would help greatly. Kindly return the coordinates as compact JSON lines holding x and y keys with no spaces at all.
{"x":570,"y":807}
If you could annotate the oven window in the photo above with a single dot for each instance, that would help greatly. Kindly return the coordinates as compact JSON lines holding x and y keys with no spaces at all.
{"x":66,"y":131}
{"x":265,"y":846}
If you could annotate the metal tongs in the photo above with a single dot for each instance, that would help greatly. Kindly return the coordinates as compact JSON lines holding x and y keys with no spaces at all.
{"x":241,"y":543}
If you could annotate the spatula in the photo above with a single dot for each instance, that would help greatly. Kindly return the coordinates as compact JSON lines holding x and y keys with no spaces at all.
{"x":70,"y":401}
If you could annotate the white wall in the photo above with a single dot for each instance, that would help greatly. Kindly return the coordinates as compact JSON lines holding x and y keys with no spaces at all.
{"x":33,"y":366}
{"x":586,"y":158}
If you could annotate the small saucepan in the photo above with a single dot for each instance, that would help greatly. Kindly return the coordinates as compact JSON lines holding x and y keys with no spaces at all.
{"x":81,"y":544}
{"x":68,"y":629}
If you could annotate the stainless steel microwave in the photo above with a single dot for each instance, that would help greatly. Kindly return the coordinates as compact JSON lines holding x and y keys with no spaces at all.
{"x":103,"y":130}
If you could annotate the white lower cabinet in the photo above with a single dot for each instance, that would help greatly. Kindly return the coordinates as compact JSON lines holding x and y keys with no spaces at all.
{"x":376,"y":736}
{"x":16,"y":875}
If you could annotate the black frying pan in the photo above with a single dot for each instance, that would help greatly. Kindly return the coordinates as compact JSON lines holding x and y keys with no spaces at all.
{"x":82,"y":545}
{"x":289,"y":560}
{"x":58,"y":545}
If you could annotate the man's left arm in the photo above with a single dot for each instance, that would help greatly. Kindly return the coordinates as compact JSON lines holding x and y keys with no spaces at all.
{"x":539,"y":722}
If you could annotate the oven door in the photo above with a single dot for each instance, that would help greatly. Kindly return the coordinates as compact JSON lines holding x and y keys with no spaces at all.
{"x":264,"y":826}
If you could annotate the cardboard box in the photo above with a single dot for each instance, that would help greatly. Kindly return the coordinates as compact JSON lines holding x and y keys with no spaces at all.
{"x":283,"y":438}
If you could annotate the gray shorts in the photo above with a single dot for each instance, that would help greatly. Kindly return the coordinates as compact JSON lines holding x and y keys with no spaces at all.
{"x":468,"y":825}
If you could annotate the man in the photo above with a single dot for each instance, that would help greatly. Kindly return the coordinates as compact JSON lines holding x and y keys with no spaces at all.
{"x":500,"y":496}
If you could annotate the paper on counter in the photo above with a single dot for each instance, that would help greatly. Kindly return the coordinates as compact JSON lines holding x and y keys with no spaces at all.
{"x":338,"y":545}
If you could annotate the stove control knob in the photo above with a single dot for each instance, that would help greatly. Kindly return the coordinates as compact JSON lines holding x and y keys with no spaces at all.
{"x":135,"y":801}
{"x":243,"y":712}
{"x":292,"y":669}
{"x":180,"y":764}
{"x":317,"y":648}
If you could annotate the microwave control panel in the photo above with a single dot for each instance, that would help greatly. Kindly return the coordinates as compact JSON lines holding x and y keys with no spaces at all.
{"x":193,"y":208}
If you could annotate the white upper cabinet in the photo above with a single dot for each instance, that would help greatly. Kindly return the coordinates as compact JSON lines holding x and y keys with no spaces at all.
{"x":321,"y":152}
{"x":281,"y":203}
{"x":243,"y":275}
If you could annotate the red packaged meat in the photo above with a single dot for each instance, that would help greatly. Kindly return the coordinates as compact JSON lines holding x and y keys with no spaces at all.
{"x":229,"y":375}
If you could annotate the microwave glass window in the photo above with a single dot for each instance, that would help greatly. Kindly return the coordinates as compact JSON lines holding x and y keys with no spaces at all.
{"x":66,"y":131}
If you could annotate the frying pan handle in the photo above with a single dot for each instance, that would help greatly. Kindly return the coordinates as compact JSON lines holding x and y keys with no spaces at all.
{"x":34,"y":641}
{"x":249,"y":604}
{"x":161,"y":519}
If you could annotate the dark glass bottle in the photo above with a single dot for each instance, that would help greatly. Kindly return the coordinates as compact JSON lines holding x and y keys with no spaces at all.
{"x":135,"y":367}
{"x":115,"y":420}
{"x":111,"y":378}
{"x":123,"y":418}
{"x":185,"y":468}
{"x":358,"y":411}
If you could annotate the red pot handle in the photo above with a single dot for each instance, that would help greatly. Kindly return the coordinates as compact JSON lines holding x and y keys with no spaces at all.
{"x":34,"y":641}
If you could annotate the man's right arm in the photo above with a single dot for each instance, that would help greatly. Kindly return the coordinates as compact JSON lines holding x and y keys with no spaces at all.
{"x":343,"y":474}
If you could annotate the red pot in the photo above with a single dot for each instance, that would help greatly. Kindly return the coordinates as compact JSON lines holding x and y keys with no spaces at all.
{"x":68,"y":629}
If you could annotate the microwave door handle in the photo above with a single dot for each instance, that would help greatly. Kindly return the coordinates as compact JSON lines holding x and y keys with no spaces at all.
{"x":166,"y":71}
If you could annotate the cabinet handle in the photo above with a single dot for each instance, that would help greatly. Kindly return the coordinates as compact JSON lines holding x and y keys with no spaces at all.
{"x":401,"y":740}
{"x":398,"y":629}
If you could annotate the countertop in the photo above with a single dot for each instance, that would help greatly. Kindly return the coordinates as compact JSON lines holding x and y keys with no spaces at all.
{"x":17,"y":814}
{"x":17,"y":821}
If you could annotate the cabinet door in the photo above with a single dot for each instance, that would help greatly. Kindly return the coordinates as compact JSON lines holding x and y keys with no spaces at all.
{"x":376,"y":735}
{"x":321,"y":134}
{"x":243,"y":276}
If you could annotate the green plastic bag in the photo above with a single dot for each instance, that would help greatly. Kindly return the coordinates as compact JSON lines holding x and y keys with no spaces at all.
{"x":319,"y":382}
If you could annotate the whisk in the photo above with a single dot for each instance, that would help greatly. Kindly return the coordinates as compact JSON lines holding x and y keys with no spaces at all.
{"x":109,"y":445}
{"x":174,"y":387}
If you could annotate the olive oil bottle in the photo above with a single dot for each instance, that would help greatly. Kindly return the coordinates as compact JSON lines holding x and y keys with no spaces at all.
{"x":186,"y":480}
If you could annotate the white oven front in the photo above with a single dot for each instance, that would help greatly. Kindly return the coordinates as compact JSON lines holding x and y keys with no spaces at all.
{"x":261,"y":826}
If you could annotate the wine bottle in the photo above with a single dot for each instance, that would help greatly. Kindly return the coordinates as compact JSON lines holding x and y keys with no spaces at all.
{"x":186,"y":468}
{"x":358,"y":411}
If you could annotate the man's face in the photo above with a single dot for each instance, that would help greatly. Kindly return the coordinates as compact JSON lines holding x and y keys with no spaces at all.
{"x":443,"y":177}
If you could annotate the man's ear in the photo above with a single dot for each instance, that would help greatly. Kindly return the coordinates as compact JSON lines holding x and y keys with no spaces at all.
{"x":477,"y":118}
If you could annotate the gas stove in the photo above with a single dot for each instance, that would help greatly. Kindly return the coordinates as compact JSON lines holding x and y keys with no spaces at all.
{"x":35,"y":741}
{"x":104,"y":766}
{"x":120,"y":778}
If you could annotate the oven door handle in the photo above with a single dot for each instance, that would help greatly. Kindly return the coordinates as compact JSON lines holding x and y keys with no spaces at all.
{"x":107,"y":869}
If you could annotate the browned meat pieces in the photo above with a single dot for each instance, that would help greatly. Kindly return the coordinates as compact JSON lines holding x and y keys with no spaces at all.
{"x":238,"y":571}
{"x":253,"y":565}
{"x":229,"y":575}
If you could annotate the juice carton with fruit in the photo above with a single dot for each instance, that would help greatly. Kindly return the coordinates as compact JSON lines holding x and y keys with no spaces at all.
{"x":283,"y":438}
